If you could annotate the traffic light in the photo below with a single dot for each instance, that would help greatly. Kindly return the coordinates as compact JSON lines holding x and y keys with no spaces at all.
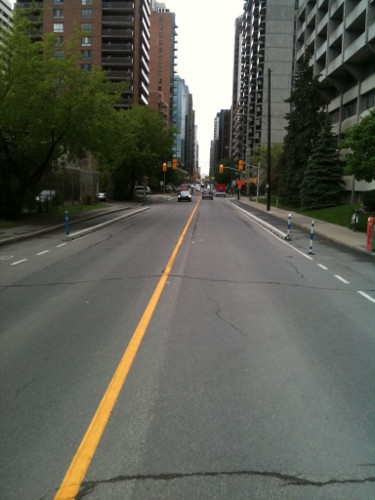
{"x":174,"y":164}
{"x":164,"y":167}
{"x":255,"y":181}
{"x":240,"y":165}
{"x":221,"y":169}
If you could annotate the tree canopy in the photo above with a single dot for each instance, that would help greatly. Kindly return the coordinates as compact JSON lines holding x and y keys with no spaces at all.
{"x":305,"y":121}
{"x":49,"y":108}
{"x":360,"y":139}
{"x":142,"y":144}
{"x":322,"y":180}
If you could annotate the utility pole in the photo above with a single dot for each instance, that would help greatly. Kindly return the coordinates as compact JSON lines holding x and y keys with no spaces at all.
{"x":269,"y":144}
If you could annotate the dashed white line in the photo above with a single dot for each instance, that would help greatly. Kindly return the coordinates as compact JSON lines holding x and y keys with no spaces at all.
{"x":42,"y":253}
{"x":18,"y":262}
{"x":62,"y":244}
{"x":341,"y":279}
{"x":368,"y":297}
{"x":323,"y":267}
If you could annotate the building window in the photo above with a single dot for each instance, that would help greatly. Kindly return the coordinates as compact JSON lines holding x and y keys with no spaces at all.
{"x":161,"y":19}
{"x":160,"y":35}
{"x":160,"y":80}
{"x":160,"y":65}
{"x":350,"y":109}
{"x":86,"y":2}
{"x":160,"y":27}
{"x":160,"y":58}
{"x":368,"y":100}
{"x":86,"y":13}
{"x":160,"y":73}
{"x":86,"y":41}
{"x":58,"y":13}
{"x":58,"y":54}
{"x":86,"y":67}
{"x":160,"y":42}
{"x":160,"y":51}
{"x":86,"y":26}
{"x":86,"y":55}
{"x":59,"y":40}
{"x":160,"y":89}
{"x":58,"y":2}
{"x":58,"y":27}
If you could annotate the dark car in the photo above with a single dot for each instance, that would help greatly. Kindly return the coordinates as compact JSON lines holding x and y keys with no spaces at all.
{"x":184,"y":196}
{"x":207,"y":194}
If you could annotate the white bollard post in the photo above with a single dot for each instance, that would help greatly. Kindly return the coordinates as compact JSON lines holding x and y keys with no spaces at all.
{"x":311,"y":236}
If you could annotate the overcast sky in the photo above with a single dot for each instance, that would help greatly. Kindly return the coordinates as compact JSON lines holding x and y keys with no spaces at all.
{"x":205,"y":60}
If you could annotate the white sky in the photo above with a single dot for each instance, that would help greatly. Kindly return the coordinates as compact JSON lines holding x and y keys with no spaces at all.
{"x":205,"y":60}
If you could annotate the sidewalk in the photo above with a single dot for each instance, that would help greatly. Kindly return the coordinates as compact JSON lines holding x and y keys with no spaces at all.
{"x":338,"y":234}
{"x":36,"y":224}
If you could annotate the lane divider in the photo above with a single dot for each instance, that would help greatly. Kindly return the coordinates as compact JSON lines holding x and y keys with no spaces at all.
{"x":82,"y":459}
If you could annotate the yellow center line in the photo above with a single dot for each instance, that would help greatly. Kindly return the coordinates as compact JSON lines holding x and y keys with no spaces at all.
{"x":82,"y":459}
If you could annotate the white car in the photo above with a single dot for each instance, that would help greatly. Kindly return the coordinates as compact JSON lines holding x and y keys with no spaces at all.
{"x":142,"y":190}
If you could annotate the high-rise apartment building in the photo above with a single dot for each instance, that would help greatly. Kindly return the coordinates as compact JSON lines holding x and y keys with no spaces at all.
{"x":115,"y":36}
{"x":185,"y":145}
{"x":163,"y":61}
{"x":340,"y":36}
{"x":6,"y":14}
{"x":267,"y":41}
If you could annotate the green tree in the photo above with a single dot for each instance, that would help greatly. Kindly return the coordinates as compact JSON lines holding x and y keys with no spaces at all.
{"x":49,"y":109}
{"x":360,"y":139}
{"x":229,"y":174}
{"x":322,"y":181}
{"x":143,"y":143}
{"x":305,"y":121}
{"x":259,"y":156}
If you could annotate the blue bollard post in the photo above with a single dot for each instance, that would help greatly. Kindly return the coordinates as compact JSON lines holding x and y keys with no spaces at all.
{"x":288,"y":233}
{"x":311,"y":236}
{"x":67,"y":221}
{"x":148,"y":201}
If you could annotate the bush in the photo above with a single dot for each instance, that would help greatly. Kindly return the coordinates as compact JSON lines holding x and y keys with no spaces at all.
{"x":368,"y":200}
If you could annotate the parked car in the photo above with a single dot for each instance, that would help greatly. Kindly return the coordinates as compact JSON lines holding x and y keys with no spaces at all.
{"x":102,"y":196}
{"x":142,"y":190}
{"x":207,"y":194}
{"x":184,"y":196}
{"x":46,"y":194}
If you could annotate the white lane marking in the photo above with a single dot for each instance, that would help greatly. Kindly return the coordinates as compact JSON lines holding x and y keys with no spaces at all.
{"x":6,"y":257}
{"x":62,"y":244}
{"x":262,"y":225}
{"x":18,"y":262}
{"x":42,"y":253}
{"x":341,"y":279}
{"x":323,"y":267}
{"x":367,"y":296}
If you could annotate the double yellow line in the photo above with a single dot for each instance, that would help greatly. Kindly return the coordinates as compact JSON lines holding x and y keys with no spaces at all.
{"x":82,"y":459}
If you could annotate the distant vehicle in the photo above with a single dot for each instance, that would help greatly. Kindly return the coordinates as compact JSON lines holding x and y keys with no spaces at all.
{"x":207,"y":194}
{"x":46,"y":194}
{"x":220,"y":190}
{"x":142,"y":190}
{"x":184,"y":196}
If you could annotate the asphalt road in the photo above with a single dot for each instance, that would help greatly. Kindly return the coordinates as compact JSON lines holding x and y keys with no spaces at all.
{"x":254,"y":378}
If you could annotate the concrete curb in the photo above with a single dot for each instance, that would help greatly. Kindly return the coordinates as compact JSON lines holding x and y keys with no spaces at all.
{"x":91,"y":229}
{"x":48,"y":229}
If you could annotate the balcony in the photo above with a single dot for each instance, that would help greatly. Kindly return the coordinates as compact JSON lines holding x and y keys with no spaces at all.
{"x":125,"y":6}
{"x":117,"y":33}
{"x":117,"y":61}
{"x":116,"y":47}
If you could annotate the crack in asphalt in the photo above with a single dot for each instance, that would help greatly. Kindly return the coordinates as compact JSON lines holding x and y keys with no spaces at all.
{"x":217,"y":314}
{"x":88,"y":487}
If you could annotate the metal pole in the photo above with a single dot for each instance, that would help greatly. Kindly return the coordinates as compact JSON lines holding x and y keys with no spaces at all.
{"x":269,"y":144}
